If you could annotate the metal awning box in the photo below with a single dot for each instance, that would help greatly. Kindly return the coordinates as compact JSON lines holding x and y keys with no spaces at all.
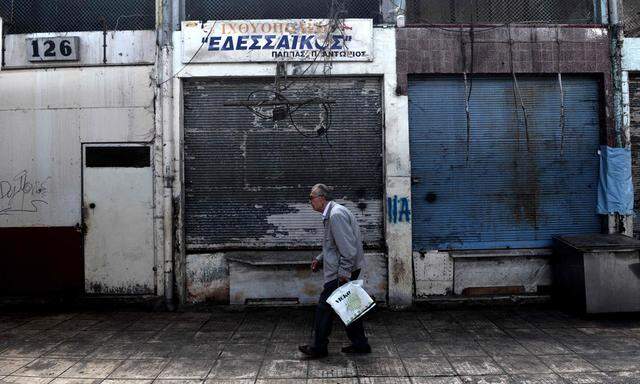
{"x":597,"y":273}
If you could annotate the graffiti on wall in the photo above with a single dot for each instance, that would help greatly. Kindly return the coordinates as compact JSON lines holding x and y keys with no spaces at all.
{"x":399,"y":209}
{"x":22,"y":193}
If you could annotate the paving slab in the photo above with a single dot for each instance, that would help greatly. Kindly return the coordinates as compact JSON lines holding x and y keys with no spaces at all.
{"x":537,"y":379}
{"x":567,"y":363}
{"x":475,"y":366}
{"x":92,"y":368}
{"x":154,"y":350}
{"x":518,"y":364}
{"x":45,"y":367}
{"x":28,"y":349}
{"x":431,"y":366}
{"x":436,"y":380}
{"x":235,"y":369}
{"x":385,"y":380}
{"x":27,"y":380}
{"x":335,"y":380}
{"x":283,"y":368}
{"x":9,"y":365}
{"x":209,"y":351}
{"x":281,"y":381}
{"x":614,"y":362}
{"x":111,"y":350}
{"x":486,"y":379}
{"x":460,"y":347}
{"x":502,"y":346}
{"x":66,"y":380}
{"x":543,"y":346}
{"x":332,"y":367}
{"x":72,"y":349}
{"x":587,"y":378}
{"x":418,"y":349}
{"x":139,"y":369}
{"x":187,"y":369}
{"x":247,"y":351}
{"x":377,"y":366}
{"x":279,"y":350}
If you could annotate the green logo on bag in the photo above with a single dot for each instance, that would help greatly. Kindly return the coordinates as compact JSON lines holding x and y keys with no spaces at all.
{"x":353,"y":302}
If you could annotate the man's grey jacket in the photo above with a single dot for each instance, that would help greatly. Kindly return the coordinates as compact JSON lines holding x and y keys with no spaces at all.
{"x":342,"y":251}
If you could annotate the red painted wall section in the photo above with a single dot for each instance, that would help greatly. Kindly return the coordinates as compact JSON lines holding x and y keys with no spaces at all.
{"x":41,"y":261}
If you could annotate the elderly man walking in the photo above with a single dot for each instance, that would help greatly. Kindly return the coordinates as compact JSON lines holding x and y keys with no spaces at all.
{"x":341,"y":259}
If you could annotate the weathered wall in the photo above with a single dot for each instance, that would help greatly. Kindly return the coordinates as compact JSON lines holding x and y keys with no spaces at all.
{"x":122,"y":47}
{"x":396,"y":170}
{"x":45,"y":116}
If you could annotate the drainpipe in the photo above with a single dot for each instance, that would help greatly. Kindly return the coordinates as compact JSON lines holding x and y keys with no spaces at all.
{"x":164,"y":94}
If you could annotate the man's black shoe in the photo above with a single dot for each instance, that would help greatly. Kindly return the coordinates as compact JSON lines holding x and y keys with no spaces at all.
{"x":353,"y":349}
{"x":312,"y":352}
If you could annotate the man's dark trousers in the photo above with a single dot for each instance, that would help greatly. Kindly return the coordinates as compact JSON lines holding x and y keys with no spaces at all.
{"x":324,"y":320}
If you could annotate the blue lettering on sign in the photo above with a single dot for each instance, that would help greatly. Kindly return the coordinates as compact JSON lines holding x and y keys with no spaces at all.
{"x":228,"y":44}
{"x":214,"y":43}
{"x":337,"y":42}
{"x":255,"y":42}
{"x":284,"y":42}
{"x":305,"y":42}
{"x":392,"y":209}
{"x":269,"y":44}
{"x":242,"y":43}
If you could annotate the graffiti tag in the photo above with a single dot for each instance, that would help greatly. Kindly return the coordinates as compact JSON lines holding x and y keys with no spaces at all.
{"x":22,"y":194}
{"x":395,"y":214}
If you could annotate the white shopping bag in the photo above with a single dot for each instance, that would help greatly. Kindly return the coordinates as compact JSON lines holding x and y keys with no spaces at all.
{"x":350,"y":301}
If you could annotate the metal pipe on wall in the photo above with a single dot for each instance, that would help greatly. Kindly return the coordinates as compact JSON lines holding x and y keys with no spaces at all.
{"x":164,"y":108}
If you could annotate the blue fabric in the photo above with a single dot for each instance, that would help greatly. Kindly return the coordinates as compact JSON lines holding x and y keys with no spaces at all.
{"x":615,"y":189}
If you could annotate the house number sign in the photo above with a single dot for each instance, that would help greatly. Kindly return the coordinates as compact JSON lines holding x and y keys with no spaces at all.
{"x":53,"y":49}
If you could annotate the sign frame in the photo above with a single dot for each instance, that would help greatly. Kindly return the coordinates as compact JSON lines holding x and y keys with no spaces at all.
{"x":304,"y":40}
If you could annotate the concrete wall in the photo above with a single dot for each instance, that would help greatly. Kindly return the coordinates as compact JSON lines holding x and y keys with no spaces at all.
{"x":45,"y":116}
{"x":397,"y":166}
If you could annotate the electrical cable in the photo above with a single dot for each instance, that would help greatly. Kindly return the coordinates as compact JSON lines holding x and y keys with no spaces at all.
{"x":562,"y":109}
{"x":516,"y":92}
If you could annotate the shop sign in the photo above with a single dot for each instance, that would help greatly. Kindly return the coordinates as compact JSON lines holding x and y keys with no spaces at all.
{"x":231,"y":41}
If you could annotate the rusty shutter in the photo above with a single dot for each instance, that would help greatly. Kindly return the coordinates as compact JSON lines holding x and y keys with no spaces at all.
{"x":247,"y":179}
{"x":511,"y":192}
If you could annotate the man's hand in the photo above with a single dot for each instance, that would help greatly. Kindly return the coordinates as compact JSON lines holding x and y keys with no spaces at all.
{"x":315,"y":265}
{"x":343,"y":280}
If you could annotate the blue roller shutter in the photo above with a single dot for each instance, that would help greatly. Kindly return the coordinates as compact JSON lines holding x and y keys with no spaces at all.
{"x":511,"y":192}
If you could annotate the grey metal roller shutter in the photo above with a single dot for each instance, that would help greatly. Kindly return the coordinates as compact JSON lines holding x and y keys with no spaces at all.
{"x":247,"y":180}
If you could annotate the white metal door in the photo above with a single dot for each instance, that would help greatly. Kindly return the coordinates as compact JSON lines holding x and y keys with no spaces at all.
{"x":118,"y":219}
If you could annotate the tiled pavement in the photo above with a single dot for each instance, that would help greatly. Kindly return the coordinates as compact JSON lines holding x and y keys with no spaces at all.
{"x":260,"y":346}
